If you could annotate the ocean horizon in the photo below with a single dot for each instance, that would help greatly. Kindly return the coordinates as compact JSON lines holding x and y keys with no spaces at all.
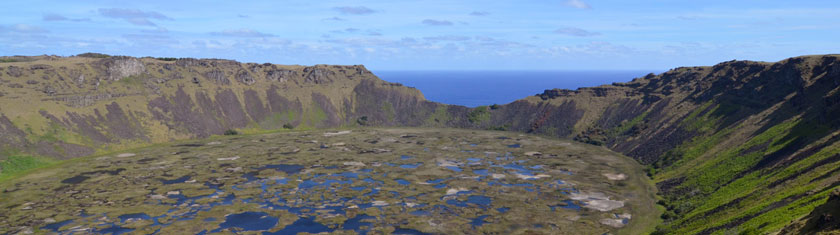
{"x":474,"y":88}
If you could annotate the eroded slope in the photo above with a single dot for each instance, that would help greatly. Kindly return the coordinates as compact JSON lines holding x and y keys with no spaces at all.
{"x":65,"y":107}
{"x":740,"y":146}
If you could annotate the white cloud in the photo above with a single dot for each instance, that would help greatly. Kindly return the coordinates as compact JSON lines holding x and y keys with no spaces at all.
{"x":578,"y":4}
{"x":57,"y":17}
{"x":359,"y":10}
{"x":437,"y":22}
{"x":22,"y":29}
{"x":577,"y":32}
{"x":447,"y":38}
{"x":241,"y":33}
{"x":133,"y":16}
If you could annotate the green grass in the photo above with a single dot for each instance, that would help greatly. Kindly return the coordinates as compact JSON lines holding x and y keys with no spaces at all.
{"x":684,"y":157}
{"x":20,"y":164}
{"x":439,"y":117}
{"x":93,"y":55}
{"x":17,"y":165}
{"x":707,"y":122}
{"x":479,"y":114}
{"x":388,"y":110}
{"x":54,"y":132}
{"x":679,"y":159}
{"x":276,"y":120}
{"x":725,"y":166}
{"x":131,"y":81}
{"x":290,"y":115}
{"x":625,"y":126}
{"x":316,"y":115}
{"x":714,"y":183}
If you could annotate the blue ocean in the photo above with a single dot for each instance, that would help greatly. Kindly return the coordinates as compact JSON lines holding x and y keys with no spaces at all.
{"x":476,"y":88}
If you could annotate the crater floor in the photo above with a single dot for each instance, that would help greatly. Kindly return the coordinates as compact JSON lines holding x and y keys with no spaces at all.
{"x":364,"y":181}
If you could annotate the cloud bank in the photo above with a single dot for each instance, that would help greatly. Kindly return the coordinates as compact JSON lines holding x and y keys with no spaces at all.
{"x":133,"y":16}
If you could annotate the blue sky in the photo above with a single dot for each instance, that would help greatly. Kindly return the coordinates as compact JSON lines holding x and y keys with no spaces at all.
{"x":430,"y":34}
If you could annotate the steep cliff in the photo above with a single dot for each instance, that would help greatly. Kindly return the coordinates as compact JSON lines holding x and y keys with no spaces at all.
{"x":65,"y":107}
{"x":737,"y":147}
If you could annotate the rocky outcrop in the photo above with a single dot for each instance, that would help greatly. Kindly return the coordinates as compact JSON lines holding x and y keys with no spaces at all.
{"x":318,"y":75}
{"x":218,"y":77}
{"x":245,"y":78}
{"x":280,"y":75}
{"x":14,"y":71}
{"x":78,"y":101}
{"x":120,"y":67}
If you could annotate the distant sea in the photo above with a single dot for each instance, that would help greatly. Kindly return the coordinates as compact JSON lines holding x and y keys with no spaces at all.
{"x":476,"y":88}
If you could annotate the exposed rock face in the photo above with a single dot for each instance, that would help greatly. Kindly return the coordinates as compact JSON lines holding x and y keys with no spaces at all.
{"x":318,"y":75}
{"x":280,"y":75}
{"x":245,"y":78}
{"x":40,"y":66}
{"x":10,"y":136}
{"x":554,"y":93}
{"x":78,"y":101}
{"x":121,"y":67}
{"x":739,"y":132}
{"x":97,"y":109}
{"x":218,"y":77}
{"x":14,"y":71}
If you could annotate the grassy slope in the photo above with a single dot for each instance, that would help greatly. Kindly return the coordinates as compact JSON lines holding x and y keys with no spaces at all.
{"x":137,"y":90}
{"x":737,"y":137}
{"x":22,"y":98}
{"x":18,"y":165}
{"x":723,"y":192}
{"x":750,"y":194}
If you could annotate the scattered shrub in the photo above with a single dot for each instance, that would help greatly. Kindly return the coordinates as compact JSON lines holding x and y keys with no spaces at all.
{"x":231,"y":132}
{"x":93,"y":55}
{"x":362,"y":121}
{"x":504,"y":127}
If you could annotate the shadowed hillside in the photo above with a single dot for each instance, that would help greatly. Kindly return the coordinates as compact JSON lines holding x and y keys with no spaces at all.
{"x":740,"y":146}
{"x":821,"y":219}
{"x":737,"y":147}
